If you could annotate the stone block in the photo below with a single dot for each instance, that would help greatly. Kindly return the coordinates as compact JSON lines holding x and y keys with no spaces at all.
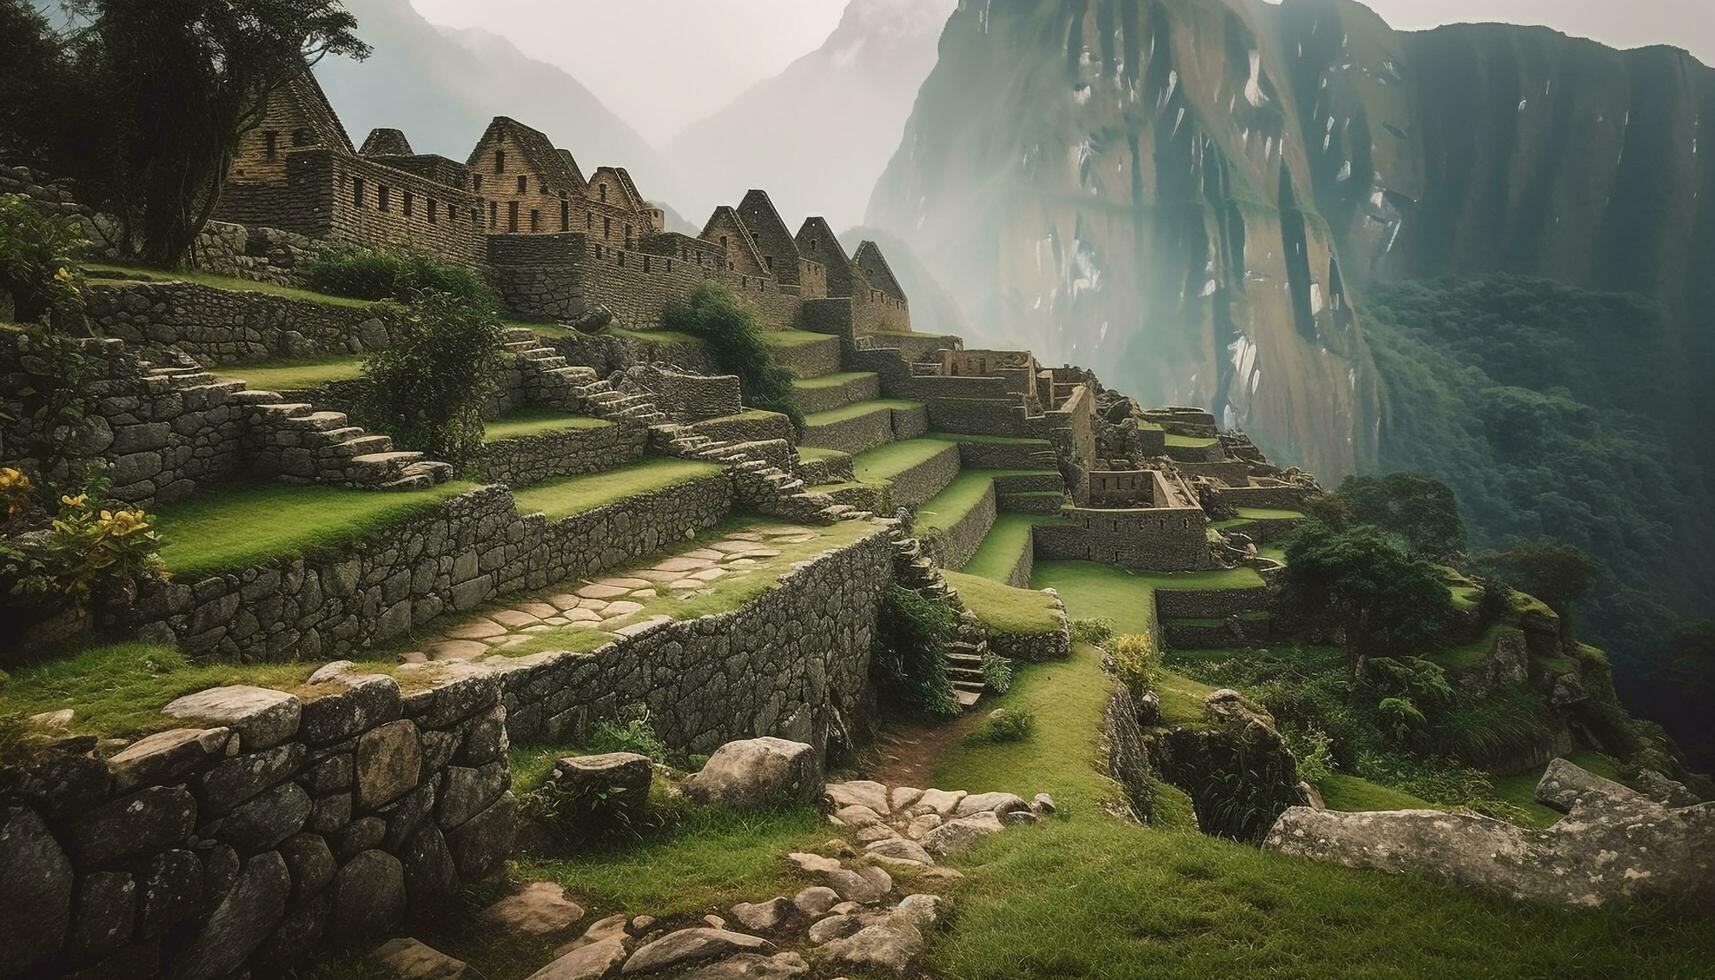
{"x":389,"y":761}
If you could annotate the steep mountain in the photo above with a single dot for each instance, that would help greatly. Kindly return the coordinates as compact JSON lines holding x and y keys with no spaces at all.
{"x":1121,"y":183}
{"x":1196,"y":193}
{"x":817,"y":135}
{"x":443,"y":86}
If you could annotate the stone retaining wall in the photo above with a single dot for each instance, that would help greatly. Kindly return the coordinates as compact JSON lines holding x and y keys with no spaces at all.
{"x":223,"y":326}
{"x":1208,"y":603}
{"x":1002,"y":455}
{"x":808,"y":360}
{"x":1155,"y":539}
{"x":1128,"y":754}
{"x":269,"y":826}
{"x":863,"y":388}
{"x":1213,"y":634}
{"x":607,"y":353}
{"x":916,"y":486}
{"x":686,"y":397}
{"x":1276,"y":498}
{"x":1056,"y":644}
{"x":535,"y":459}
{"x":455,"y":556}
{"x":855,"y":435}
{"x":749,"y":426}
{"x":953,"y":547}
{"x":792,"y":663}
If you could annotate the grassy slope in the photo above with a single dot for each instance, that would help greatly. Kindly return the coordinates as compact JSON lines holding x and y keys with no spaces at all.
{"x":887,"y":462}
{"x":574,"y":495}
{"x":795,"y":338}
{"x":857,"y":409}
{"x":1005,"y":542}
{"x":1355,"y":794}
{"x":1004,"y":608}
{"x":1088,"y":895}
{"x":245,"y":524}
{"x":831,"y":380}
{"x":291,"y":375}
{"x":223,"y":282}
{"x":535,"y":422}
{"x":951,"y":505}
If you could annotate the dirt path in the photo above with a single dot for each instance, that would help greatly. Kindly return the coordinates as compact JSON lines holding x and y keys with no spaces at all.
{"x":907,"y":752}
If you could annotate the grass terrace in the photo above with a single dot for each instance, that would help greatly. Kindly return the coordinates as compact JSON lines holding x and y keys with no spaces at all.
{"x":1006,"y":541}
{"x":1468,"y":654}
{"x":887,"y":462}
{"x":1177,"y":441}
{"x":950,"y":506}
{"x":241,"y":525}
{"x":536,"y":422}
{"x":858,"y":410}
{"x":989,"y":440}
{"x":294,"y":375}
{"x":1003,"y":608}
{"x":556,"y":331}
{"x":793,"y":338}
{"x":1354,"y":794}
{"x":105,"y":272}
{"x":831,"y":380}
{"x":577,"y":494}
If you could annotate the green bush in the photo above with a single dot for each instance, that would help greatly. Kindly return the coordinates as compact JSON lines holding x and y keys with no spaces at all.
{"x":363,"y":273}
{"x":38,"y":261}
{"x":633,"y":732}
{"x":1134,"y":658}
{"x":735,"y":338}
{"x":997,"y":672}
{"x":1094,"y":631}
{"x":1004,"y":725}
{"x":428,"y":388}
{"x":910,"y":659}
{"x":53,"y":394}
{"x":1313,"y":750}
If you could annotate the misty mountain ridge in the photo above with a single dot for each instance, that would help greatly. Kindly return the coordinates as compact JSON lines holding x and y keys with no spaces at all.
{"x":818,"y":135}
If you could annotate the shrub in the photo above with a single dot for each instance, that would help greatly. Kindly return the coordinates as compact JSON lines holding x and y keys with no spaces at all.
{"x":1094,"y":631}
{"x":53,"y":395}
{"x":633,"y":732}
{"x":1134,"y":657}
{"x":1004,"y":725}
{"x":997,"y":672}
{"x":735,"y":339}
{"x":38,"y":261}
{"x":910,"y":660}
{"x":363,"y":273}
{"x":429,"y":387}
{"x":87,"y":552}
{"x":1313,"y":750}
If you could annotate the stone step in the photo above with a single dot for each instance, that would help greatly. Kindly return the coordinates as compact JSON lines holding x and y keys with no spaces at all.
{"x":971,"y":674}
{"x":407,"y":484}
{"x":368,"y":445}
{"x":965,"y":660}
{"x":967,"y":699}
{"x":285,"y":410}
{"x":437,"y":471}
{"x":251,"y":396}
{"x":382,"y":466}
{"x":320,"y":421}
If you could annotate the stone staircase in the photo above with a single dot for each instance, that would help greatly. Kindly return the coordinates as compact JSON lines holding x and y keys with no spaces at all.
{"x":915,"y":569}
{"x":297,"y":444}
{"x":771,"y":490}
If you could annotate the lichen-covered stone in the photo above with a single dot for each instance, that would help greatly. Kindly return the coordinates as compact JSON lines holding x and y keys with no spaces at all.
{"x":758,"y":772}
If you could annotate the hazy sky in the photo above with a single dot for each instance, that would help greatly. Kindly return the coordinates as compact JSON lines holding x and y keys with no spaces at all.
{"x":659,"y":64}
{"x":692,"y":57}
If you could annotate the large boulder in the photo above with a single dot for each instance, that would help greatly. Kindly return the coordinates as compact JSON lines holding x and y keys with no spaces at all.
{"x":596,"y":795}
{"x":1614,"y":847}
{"x":758,"y":772}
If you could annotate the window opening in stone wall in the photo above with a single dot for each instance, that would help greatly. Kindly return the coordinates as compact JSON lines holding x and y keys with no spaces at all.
{"x":409,"y":201}
{"x":607,"y":229}
{"x":383,"y":197}
{"x":499,"y":161}
{"x":300,"y":137}
{"x":768,"y":260}
{"x":523,"y":184}
{"x":601,"y":190}
{"x":598,"y":251}
{"x":477,"y":180}
{"x":357,"y":192}
{"x":646,"y":263}
{"x":270,"y":144}
{"x":589,"y":222}
{"x":493,"y":214}
{"x":669,"y":265}
{"x":535,"y":220}
{"x":565,"y":214}
{"x":434,"y":207}
{"x":622,"y":259}
{"x":627,"y":236}
{"x":512,"y":216}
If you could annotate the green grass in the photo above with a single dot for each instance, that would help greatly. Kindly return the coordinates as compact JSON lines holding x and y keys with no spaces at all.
{"x":858,"y":409}
{"x":1519,"y":789}
{"x":989,"y":440}
{"x":831,"y":380}
{"x":1087,"y":895}
{"x":535,"y":422}
{"x":950,"y":506}
{"x":243,"y":525}
{"x":577,"y":494}
{"x":1003,"y":608}
{"x":1468,"y":654}
{"x":1007,"y":540}
{"x":1189,"y":442}
{"x":293,"y":375}
{"x":1268,"y":514}
{"x":221,"y":282}
{"x":118,"y":690}
{"x":809,"y":453}
{"x":1275,"y":552}
{"x":887,"y":462}
{"x":1353,"y":794}
{"x":794,"y":338}
{"x":1095,"y":591}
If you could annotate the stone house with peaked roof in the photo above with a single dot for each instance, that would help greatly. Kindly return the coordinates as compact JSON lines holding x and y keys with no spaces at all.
{"x":528,"y":185}
{"x":875,"y":268}
{"x":736,"y":242}
{"x":780,"y":253}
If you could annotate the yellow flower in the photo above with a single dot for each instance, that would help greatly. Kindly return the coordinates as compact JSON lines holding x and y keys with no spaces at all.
{"x":77,"y":501}
{"x":126,"y":522}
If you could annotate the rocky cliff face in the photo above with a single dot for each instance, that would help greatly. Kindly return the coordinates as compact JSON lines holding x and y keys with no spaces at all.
{"x":1193,"y":195}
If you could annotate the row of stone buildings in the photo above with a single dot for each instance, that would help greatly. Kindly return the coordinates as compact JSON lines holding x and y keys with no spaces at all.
{"x":557,"y":242}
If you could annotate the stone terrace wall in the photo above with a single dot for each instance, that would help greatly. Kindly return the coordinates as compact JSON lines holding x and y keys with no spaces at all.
{"x":160,"y":442}
{"x":220,"y":326}
{"x":534,"y":459}
{"x":1277,"y":498}
{"x":563,"y":276}
{"x":953,"y":547}
{"x":1163,"y":540}
{"x":686,"y":397}
{"x":607,"y":353}
{"x":793,"y":663}
{"x":1208,"y":603}
{"x":287,"y":823}
{"x":454,"y":557}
